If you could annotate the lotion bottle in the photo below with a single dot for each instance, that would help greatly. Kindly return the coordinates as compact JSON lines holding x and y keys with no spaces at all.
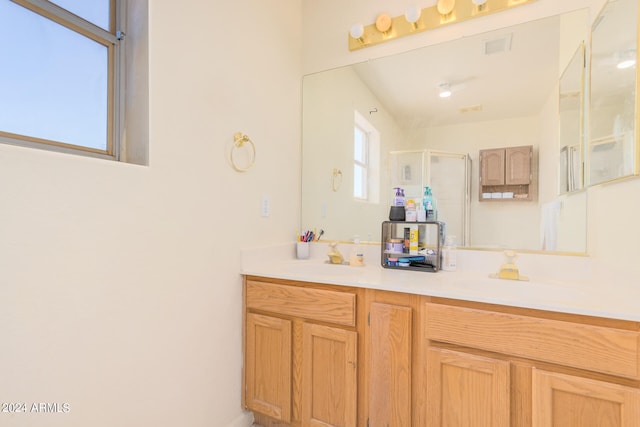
{"x":356,"y":258}
{"x":449,"y":258}
{"x":410,"y":212}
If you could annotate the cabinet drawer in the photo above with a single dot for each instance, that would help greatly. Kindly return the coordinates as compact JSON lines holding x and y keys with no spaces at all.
{"x":307,"y":303}
{"x":595,"y":348}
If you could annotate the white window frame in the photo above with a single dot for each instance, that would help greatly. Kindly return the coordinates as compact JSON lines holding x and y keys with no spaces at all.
{"x":361,"y":188}
{"x":113,"y":40}
{"x":371,"y":166}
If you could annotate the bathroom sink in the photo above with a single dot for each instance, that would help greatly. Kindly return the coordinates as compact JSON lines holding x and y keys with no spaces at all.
{"x":330,"y":273}
{"x":532,"y":291}
{"x":319,"y":268}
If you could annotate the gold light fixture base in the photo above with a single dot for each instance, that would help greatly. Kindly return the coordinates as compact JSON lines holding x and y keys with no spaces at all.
{"x":430,"y":18}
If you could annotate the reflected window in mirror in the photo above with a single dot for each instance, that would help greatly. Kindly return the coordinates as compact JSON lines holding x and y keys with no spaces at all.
{"x":571,"y":114}
{"x":612,"y":130}
{"x":366,"y":155}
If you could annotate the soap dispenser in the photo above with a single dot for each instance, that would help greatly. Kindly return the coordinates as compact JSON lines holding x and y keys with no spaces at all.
{"x":397,"y":212}
{"x":429,"y":204}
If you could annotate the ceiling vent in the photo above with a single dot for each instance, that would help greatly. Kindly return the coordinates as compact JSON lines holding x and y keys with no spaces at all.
{"x":471,"y":109}
{"x":499,"y":45}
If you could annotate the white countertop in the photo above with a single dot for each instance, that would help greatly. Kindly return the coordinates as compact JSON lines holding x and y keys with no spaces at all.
{"x":568,"y":284}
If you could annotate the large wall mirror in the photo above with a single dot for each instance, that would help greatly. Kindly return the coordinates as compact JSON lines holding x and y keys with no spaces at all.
{"x":375,"y":125}
{"x":613,"y":144}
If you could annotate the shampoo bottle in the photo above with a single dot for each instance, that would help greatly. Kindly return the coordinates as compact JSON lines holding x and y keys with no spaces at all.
{"x":429,"y":204}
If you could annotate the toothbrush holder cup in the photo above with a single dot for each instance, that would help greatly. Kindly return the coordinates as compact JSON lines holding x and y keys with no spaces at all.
{"x":302,"y":250}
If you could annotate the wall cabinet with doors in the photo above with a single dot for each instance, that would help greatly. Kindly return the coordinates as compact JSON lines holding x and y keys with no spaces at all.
{"x":508,"y":174}
{"x":313,"y":357}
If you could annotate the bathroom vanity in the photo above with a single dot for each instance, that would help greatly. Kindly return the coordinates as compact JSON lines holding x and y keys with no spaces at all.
{"x":321,"y":353}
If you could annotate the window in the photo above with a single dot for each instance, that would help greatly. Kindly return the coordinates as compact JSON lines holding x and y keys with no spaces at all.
{"x":62,"y":75}
{"x":366,"y":155}
{"x":360,"y":163}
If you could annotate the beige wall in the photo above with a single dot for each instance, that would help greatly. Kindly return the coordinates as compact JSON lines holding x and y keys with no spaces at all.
{"x":334,"y":97}
{"x":497,"y":225}
{"x":119,"y":284}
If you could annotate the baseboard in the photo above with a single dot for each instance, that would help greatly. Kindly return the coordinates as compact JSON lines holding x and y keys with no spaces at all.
{"x":244,"y":420}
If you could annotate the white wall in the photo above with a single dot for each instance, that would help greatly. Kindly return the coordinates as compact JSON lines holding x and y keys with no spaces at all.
{"x":335,"y":96}
{"x":120,"y":291}
{"x":497,"y":225}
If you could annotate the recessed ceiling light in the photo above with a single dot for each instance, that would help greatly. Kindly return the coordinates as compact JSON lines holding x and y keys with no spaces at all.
{"x":445,"y":90}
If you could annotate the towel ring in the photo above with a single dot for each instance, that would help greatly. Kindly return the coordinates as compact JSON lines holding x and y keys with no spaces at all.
{"x":239,"y":141}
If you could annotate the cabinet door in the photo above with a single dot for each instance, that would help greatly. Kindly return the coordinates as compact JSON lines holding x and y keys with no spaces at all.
{"x":329,"y":376}
{"x":389,"y":370}
{"x":268,"y":366}
{"x":492,"y":166}
{"x":467,"y":390}
{"x":518,"y":165}
{"x":569,"y":401}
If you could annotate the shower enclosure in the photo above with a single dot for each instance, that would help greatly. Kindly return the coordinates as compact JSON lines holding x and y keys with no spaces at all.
{"x":448,"y":175}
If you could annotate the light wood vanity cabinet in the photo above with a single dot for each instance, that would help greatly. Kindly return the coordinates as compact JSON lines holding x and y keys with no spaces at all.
{"x":268,"y":365}
{"x":300,"y":354}
{"x":464,"y":389}
{"x":391,"y":359}
{"x":502,"y":366}
{"x":566,"y":400}
{"x":315,"y":358}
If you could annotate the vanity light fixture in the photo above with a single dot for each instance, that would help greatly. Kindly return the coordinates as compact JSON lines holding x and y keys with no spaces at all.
{"x":480,"y":4}
{"x":356,"y":32}
{"x":445,"y":9}
{"x":445,"y":90}
{"x":416,"y":20}
{"x":412,"y":15}
{"x":384,"y":23}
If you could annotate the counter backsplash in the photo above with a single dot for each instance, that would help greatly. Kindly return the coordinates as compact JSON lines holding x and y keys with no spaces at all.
{"x":552,"y":267}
